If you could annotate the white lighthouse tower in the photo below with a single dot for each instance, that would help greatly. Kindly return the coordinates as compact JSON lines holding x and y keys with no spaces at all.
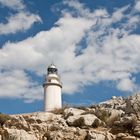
{"x":52,"y":89}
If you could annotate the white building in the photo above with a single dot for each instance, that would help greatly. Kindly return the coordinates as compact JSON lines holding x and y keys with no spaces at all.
{"x":52,"y":89}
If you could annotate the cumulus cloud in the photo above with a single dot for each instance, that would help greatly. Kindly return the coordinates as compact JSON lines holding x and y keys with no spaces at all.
{"x":85,"y":45}
{"x":16,"y":84}
{"x":127,"y":85}
{"x":13,"y":4}
{"x":18,"y":22}
{"x":137,"y":5}
{"x":22,"y":20}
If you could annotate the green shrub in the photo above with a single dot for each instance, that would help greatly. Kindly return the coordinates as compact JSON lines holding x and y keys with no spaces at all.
{"x":4,"y":118}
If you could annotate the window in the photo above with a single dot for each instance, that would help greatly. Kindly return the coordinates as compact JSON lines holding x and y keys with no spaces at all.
{"x":49,"y":80}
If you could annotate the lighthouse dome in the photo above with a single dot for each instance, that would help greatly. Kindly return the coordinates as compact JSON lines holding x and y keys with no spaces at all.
{"x":52,"y":66}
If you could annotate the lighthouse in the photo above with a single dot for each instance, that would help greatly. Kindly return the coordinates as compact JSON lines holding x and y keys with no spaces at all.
{"x":52,"y":89}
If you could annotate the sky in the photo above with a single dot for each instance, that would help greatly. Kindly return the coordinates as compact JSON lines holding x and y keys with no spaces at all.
{"x":95,"y":44}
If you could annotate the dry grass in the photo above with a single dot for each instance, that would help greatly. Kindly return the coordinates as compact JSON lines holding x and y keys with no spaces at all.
{"x":102,"y":114}
{"x":59,"y":110}
{"x":96,"y":123}
{"x":88,"y":112}
{"x":80,"y":107}
{"x":110,"y":121}
{"x":47,"y":136}
{"x":4,"y":118}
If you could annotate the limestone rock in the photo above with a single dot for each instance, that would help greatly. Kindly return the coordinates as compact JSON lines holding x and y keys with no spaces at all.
{"x":83,"y":120}
{"x":70,"y":133}
{"x":129,"y":138}
{"x":120,"y":135}
{"x":72,"y":112}
{"x":137,"y":129}
{"x":123,"y":136}
{"x":17,"y":122}
{"x":44,"y":116}
{"x":114,"y":103}
{"x":114,"y":116}
{"x":115,"y":113}
{"x":109,"y":136}
{"x":94,"y":136}
{"x":14,"y":134}
{"x":133,"y":105}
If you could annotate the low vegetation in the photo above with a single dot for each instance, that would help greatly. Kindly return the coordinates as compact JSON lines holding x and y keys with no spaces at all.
{"x":4,"y":118}
{"x":79,"y":122}
{"x":102,"y":114}
{"x":110,"y":121}
{"x":59,"y":110}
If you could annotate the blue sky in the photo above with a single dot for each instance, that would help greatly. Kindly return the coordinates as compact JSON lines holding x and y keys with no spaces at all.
{"x":94,"y":43}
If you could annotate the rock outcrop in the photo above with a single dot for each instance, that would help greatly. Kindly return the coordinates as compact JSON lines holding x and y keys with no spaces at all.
{"x":116,"y":119}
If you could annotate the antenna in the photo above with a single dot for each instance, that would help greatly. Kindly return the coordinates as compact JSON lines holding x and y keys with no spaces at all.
{"x":52,"y":62}
{"x":52,"y":59}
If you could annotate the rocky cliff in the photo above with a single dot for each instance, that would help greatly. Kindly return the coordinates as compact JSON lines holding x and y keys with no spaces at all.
{"x":116,"y":119}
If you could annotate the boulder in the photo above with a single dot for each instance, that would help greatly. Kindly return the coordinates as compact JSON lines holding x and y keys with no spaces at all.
{"x":114,"y":103}
{"x":70,"y":133}
{"x":123,"y":136}
{"x":114,"y":116}
{"x":83,"y":120}
{"x":15,"y":134}
{"x":91,"y":135}
{"x":44,"y":116}
{"x":129,"y":138}
{"x":133,"y":105}
{"x":124,"y":124}
{"x":72,"y":112}
{"x":115,"y":113}
{"x":17,"y":122}
{"x":120,"y":135}
{"x":137,"y":129}
{"x":109,"y":136}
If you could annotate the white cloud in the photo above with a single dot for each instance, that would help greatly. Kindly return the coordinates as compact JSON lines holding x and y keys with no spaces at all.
{"x":108,"y":53}
{"x":16,"y":84}
{"x":13,"y":4}
{"x":17,"y":56}
{"x":119,"y":14}
{"x":20,"y":21}
{"x":127,"y":85}
{"x":137,"y":5}
{"x":80,"y":10}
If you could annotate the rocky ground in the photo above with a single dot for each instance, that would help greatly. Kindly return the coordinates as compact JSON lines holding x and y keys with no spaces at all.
{"x":116,"y":119}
